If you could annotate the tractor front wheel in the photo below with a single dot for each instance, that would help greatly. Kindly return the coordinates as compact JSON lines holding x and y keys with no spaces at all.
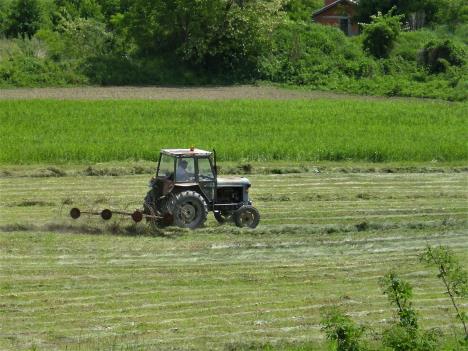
{"x":189,"y":210}
{"x":247,"y":216}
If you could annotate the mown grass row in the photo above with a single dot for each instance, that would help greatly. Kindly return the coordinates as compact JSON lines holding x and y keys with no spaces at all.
{"x":65,"y":284}
{"x":340,"y":129}
{"x":205,"y":289}
{"x":293,"y":199}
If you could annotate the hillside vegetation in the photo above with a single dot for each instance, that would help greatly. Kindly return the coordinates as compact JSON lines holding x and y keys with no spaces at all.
{"x":36,"y":131}
{"x":116,"y":42}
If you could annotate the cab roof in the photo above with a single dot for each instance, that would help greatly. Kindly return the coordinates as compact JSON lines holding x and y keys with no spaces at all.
{"x":186,"y":152}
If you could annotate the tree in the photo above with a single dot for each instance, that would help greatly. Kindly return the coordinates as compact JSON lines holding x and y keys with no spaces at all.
{"x":427,"y":8}
{"x":24,"y":19}
{"x":224,"y":35}
{"x":301,"y":10}
{"x":80,"y":8}
{"x":4,"y":10}
{"x":380,"y":35}
{"x":453,"y":13}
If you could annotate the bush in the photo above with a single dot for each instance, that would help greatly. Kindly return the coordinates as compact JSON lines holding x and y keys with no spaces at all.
{"x":400,"y":338}
{"x":380,"y":35}
{"x":341,"y":330}
{"x":313,"y":54}
{"x":439,"y":55}
{"x":25,"y":63}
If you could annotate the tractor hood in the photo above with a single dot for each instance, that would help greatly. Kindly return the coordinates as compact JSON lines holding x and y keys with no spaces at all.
{"x":232,"y":181}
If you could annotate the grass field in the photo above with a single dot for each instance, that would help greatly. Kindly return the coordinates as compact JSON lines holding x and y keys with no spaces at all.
{"x":324,"y":239}
{"x":38,"y":131}
{"x":348,"y":188}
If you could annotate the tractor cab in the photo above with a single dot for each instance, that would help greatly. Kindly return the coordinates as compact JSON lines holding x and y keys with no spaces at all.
{"x":186,"y":187}
{"x":187,"y":168}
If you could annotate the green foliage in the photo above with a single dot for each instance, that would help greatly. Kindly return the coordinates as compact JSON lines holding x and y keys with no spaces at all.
{"x":405,"y":335}
{"x":341,"y":330}
{"x":428,"y":9}
{"x":453,"y":276}
{"x":83,"y":38}
{"x":87,"y":9}
{"x":301,"y":10}
{"x":439,"y":55}
{"x":313,"y":54}
{"x":399,"y":293}
{"x":380,"y":35}
{"x":228,"y":37}
{"x":453,"y":13}
{"x":24,"y":19}
{"x":400,"y":338}
{"x":4,"y":9}
{"x":24,"y":63}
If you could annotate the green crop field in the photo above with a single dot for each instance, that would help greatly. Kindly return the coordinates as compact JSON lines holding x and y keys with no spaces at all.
{"x":336,"y":129}
{"x":325,"y":239}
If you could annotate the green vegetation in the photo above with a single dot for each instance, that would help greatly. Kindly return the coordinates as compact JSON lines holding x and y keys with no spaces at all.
{"x":405,"y":334}
{"x":380,"y":34}
{"x":325,"y":239}
{"x":453,"y":276}
{"x":143,"y":42}
{"x":345,"y":129}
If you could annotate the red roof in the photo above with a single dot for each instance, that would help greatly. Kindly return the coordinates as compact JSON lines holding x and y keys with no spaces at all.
{"x":333,"y":4}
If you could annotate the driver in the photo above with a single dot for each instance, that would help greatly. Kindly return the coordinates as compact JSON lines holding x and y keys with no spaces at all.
{"x":181,"y":172}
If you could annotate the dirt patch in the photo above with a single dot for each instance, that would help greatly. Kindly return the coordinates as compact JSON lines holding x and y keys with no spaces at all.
{"x":172,"y":93}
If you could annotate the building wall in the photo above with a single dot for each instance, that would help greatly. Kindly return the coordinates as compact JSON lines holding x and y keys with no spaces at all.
{"x":333,"y":16}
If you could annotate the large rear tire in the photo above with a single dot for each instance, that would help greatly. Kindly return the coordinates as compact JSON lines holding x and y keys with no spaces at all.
{"x":149,"y":208}
{"x":247,"y":217}
{"x":149,"y":205}
{"x":189,"y":210}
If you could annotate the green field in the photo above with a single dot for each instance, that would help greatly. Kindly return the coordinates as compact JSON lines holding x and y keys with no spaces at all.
{"x":348,"y":188}
{"x":325,"y":239}
{"x":335,"y":129}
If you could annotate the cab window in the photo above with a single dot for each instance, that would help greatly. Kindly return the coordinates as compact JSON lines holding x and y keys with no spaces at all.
{"x":185,"y":171}
{"x":204,"y":169}
{"x":166,"y":166}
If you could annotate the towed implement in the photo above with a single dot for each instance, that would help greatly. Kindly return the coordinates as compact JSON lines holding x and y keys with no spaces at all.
{"x":185,"y":188}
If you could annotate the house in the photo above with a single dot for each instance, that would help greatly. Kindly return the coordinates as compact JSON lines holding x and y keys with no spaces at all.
{"x":338,"y":13}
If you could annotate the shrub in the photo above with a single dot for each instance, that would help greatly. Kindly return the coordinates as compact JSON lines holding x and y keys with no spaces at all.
{"x":439,"y":55}
{"x":453,"y":276}
{"x":341,"y":330}
{"x":400,"y":338}
{"x":380,"y":35}
{"x":405,"y":335}
{"x":313,"y":54}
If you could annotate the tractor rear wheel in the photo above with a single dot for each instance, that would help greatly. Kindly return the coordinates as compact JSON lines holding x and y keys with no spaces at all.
{"x":223,"y":216}
{"x":149,"y":208}
{"x":189,"y":209}
{"x":247,"y":216}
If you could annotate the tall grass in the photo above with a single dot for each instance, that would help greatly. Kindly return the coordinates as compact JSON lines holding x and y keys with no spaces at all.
{"x":38,"y":131}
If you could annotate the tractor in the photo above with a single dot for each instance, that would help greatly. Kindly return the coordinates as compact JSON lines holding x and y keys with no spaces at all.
{"x":186,"y":187}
